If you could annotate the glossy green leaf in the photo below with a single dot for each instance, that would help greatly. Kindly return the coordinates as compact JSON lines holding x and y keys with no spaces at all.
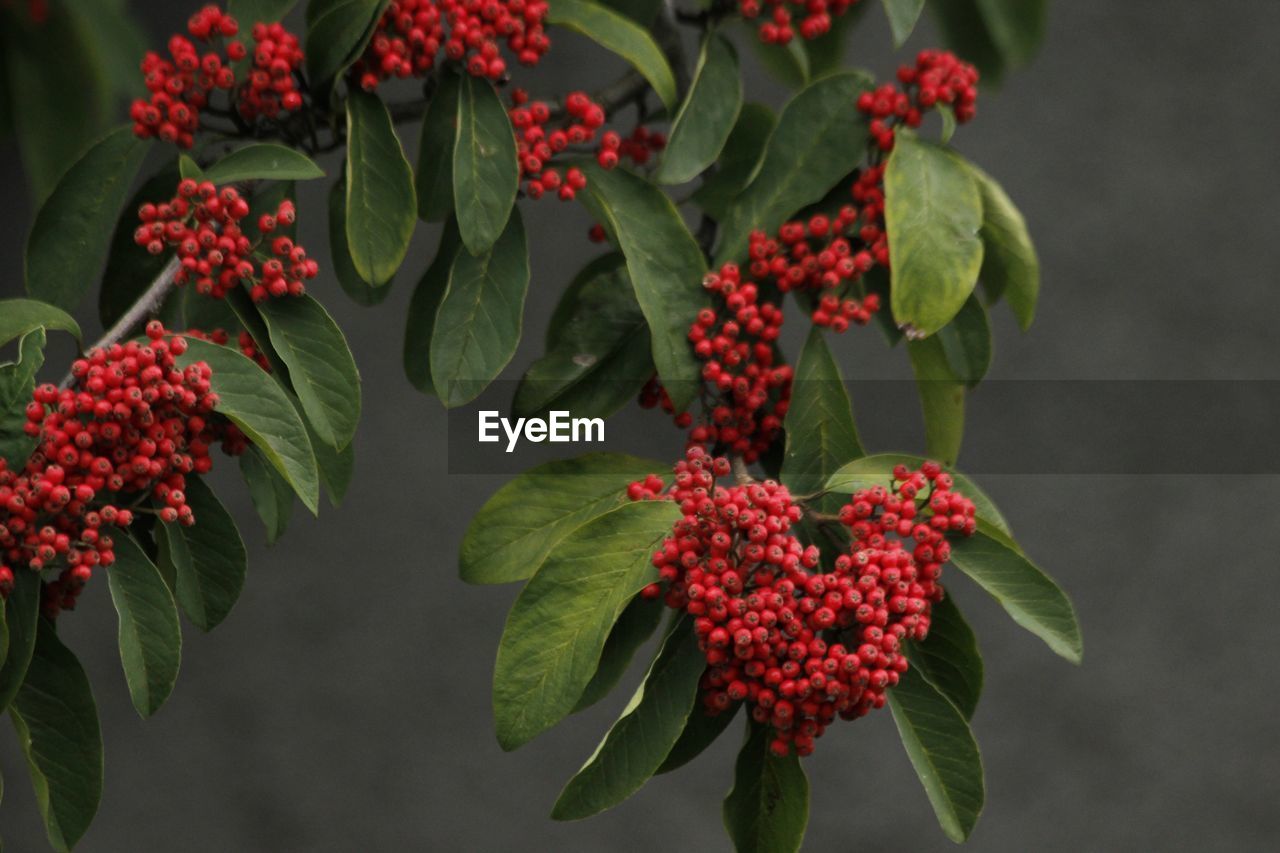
{"x":768,"y":808}
{"x":20,"y":316}
{"x":436,"y":144}
{"x":738,"y":161}
{"x":423,"y":307}
{"x":477,"y":326}
{"x":344,"y":269}
{"x":72,"y":232}
{"x":700,"y":731}
{"x":263,"y":161}
{"x":877,"y":470}
{"x":382,"y":206}
{"x":632,"y":630}
{"x":707,"y":116}
{"x":949,"y":657}
{"x":336,"y":467}
{"x":17,"y":384}
{"x":620,"y":35}
{"x":511,"y":535}
{"x":1010,"y":267}
{"x":568,"y":306}
{"x":1023,"y":589}
{"x":665,"y":264}
{"x":649,"y":726}
{"x":131,"y":268}
{"x":57,"y":725}
{"x":150,"y":637}
{"x":208,"y":558}
{"x":558,"y":626}
{"x":942,"y":397}
{"x":271,"y":496}
{"x":485,"y":171}
{"x":21,"y":615}
{"x":903,"y":15}
{"x":115,"y":43}
{"x":321,"y":368}
{"x":787,"y":63}
{"x":966,"y":343}
{"x":933,"y":212}
{"x":826,"y":53}
{"x":1016,"y":27}
{"x":337,"y":33}
{"x":255,"y":403}
{"x":820,"y":429}
{"x":809,"y":150}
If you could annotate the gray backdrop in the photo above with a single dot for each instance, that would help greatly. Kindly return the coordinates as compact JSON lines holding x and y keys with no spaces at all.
{"x":345,"y":703}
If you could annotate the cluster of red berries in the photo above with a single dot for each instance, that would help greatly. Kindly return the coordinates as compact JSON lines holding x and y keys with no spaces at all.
{"x":736,"y":346}
{"x":127,"y":432}
{"x":244,"y":342}
{"x":799,"y":645}
{"x":203,"y":222}
{"x":536,"y":145}
{"x":938,"y":77}
{"x":411,"y":33}
{"x":182,"y":84}
{"x":777,"y":24}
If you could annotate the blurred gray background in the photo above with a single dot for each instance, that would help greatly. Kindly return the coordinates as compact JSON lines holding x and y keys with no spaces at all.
{"x":344,"y":705}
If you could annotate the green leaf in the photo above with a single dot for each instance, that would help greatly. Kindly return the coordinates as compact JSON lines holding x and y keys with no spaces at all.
{"x":477,"y":326}
{"x":933,"y":212}
{"x":209,"y":559}
{"x":1016,"y":27}
{"x":700,"y":731}
{"x":964,"y":31}
{"x":423,"y":307}
{"x":72,"y":231}
{"x":255,"y":403}
{"x":1010,"y":267}
{"x":620,"y":35}
{"x":768,"y":807}
{"x":21,"y":616}
{"x":707,"y":116}
{"x":17,"y":384}
{"x":57,"y":724}
{"x":1023,"y":589}
{"x":567,"y":307}
{"x":337,"y":33}
{"x":272,"y":497}
{"x":640,"y":11}
{"x":949,"y":657}
{"x":336,"y":467}
{"x":903,"y":15}
{"x":787,"y":63}
{"x":665,"y":264}
{"x":808,"y":151}
{"x":150,"y":636}
{"x":738,"y":161}
{"x":360,"y":291}
{"x":485,"y":171}
{"x":601,"y":359}
{"x":131,"y":268}
{"x":558,"y":626}
{"x":877,"y":470}
{"x":512,"y":534}
{"x":942,"y":397}
{"x":321,"y":368}
{"x":821,"y":433}
{"x":21,"y":316}
{"x":942,"y":751}
{"x":436,"y":149}
{"x":188,"y":168}
{"x":382,"y":205}
{"x":632,"y":630}
{"x":966,"y":343}
{"x":826,"y":52}
{"x":264,"y":161}
{"x":642,"y":737}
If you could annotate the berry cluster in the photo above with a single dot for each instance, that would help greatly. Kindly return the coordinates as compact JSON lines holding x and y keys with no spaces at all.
{"x":127,"y":432}
{"x":203,"y":222}
{"x":411,"y":33}
{"x":938,"y":77}
{"x":182,"y":85}
{"x":537,"y":145}
{"x":799,"y":645}
{"x":779,"y":15}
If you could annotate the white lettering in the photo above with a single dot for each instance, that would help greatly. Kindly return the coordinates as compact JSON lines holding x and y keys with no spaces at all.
{"x":559,"y":428}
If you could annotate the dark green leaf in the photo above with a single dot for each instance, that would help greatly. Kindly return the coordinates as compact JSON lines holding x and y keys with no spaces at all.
{"x":337,"y":33}
{"x":738,"y":161}
{"x":344,"y":269}
{"x":949,"y":657}
{"x":942,"y":398}
{"x":1023,"y":589}
{"x":642,"y":737}
{"x":700,"y":731}
{"x":17,"y":384}
{"x":20,"y":316}
{"x":21,"y":615}
{"x":115,"y":46}
{"x":131,"y":268}
{"x":255,"y":403}
{"x":809,"y":150}
{"x":272,"y":497}
{"x":964,"y":31}
{"x":423,"y":307}
{"x":382,"y":205}
{"x":263,"y":162}
{"x":72,"y":231}
{"x":665,"y":264}
{"x":558,"y":626}
{"x":707,"y":116}
{"x":768,"y":808}
{"x":567,"y":307}
{"x":826,"y":52}
{"x":1010,"y":267}
{"x":966,"y":343}
{"x":511,"y":535}
{"x":208,"y":558}
{"x":622,"y":36}
{"x":632,"y":630}
{"x":903,"y":15}
{"x":485,"y":171}
{"x":336,"y":467}
{"x":57,"y":724}
{"x":788,"y":63}
{"x":435,"y":149}
{"x":321,"y":368}
{"x":933,"y":212}
{"x":640,"y":11}
{"x":150,"y":636}
{"x":1016,"y":27}
{"x":477,"y":326}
